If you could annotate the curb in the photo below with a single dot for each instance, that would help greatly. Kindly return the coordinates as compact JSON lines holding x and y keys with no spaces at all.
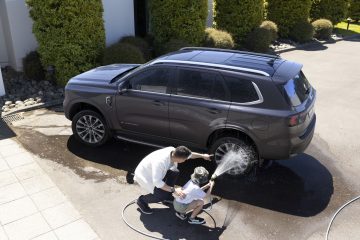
{"x":305,"y":45}
{"x":33,"y":107}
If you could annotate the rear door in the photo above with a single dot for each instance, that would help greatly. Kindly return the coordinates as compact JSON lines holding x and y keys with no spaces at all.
{"x":144,"y":108}
{"x":198,"y":105}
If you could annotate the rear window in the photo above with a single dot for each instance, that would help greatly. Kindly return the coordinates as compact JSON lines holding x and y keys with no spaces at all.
{"x":297,"y":89}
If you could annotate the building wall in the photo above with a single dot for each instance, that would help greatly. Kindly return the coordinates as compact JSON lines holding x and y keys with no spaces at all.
{"x":4,"y":60}
{"x":118,"y":19}
{"x":17,"y":26}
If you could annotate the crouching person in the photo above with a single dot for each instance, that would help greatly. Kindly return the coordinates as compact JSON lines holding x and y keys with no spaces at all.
{"x":194,"y":200}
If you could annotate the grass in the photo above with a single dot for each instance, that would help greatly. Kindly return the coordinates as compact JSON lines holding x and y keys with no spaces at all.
{"x":354,"y":28}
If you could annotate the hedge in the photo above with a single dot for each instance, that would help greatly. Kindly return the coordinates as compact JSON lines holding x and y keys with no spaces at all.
{"x":259,"y":40}
{"x":287,"y":13}
{"x":354,"y":10}
{"x":178,"y":19}
{"x":334,"y":10}
{"x":323,"y":28}
{"x":33,"y":70}
{"x":218,"y":39}
{"x":302,"y":32}
{"x":139,"y":43}
{"x":238,"y":17}
{"x":272,"y":28}
{"x":122,"y":53}
{"x":70,"y":34}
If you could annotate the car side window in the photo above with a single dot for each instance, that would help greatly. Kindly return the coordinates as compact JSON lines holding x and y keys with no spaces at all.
{"x":195,"y":83}
{"x":241,"y":90}
{"x":152,"y":80}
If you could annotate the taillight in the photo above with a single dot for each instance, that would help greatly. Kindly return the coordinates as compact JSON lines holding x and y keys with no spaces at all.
{"x":297,"y":119}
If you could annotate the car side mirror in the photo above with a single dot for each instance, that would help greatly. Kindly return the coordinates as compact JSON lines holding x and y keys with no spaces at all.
{"x":123,"y":87}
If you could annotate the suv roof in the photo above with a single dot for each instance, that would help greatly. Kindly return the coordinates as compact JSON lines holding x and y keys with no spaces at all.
{"x":263,"y":63}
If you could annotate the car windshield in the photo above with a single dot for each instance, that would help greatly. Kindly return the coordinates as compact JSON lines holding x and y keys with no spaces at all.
{"x":297,"y":89}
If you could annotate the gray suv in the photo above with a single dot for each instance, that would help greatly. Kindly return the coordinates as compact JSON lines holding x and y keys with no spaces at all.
{"x":214,"y":100}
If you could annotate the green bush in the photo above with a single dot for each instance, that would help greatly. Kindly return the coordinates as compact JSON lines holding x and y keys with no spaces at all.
{"x":32,"y":67}
{"x":178,"y":19}
{"x":323,"y":28}
{"x":122,"y":53}
{"x":354,"y":10}
{"x":139,"y":43}
{"x":218,"y":39}
{"x":272,"y":28}
{"x":70,"y":34}
{"x":238,"y":17}
{"x":334,"y":10}
{"x":288,"y":13}
{"x":302,"y":32}
{"x":259,"y":40}
{"x":172,"y":46}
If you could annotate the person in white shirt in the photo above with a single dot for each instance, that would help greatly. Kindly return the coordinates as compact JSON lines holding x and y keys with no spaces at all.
{"x":157,"y":174}
{"x":194,"y":200}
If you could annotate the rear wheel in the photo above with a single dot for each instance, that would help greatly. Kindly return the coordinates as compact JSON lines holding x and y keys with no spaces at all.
{"x":246,"y":153}
{"x":90,"y":128}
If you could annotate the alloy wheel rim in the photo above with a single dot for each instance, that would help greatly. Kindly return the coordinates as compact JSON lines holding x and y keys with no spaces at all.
{"x":225,"y":148}
{"x":90,"y":129}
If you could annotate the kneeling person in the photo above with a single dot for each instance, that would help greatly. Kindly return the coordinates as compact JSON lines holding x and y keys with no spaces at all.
{"x":195,"y":195}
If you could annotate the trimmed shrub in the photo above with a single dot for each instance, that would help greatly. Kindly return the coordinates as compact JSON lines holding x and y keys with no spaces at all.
{"x":122,"y":53}
{"x":259,"y":40}
{"x":288,"y":13}
{"x":302,"y":32}
{"x":172,"y":46}
{"x":33,"y":70}
{"x":323,"y":28}
{"x":272,"y":28}
{"x":354,"y":10}
{"x":334,"y":10}
{"x":178,"y":19}
{"x":139,"y":43}
{"x":70,"y":34}
{"x":238,"y":17}
{"x":218,"y":39}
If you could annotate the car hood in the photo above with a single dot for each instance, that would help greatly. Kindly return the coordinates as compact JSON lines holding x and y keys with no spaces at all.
{"x":104,"y":73}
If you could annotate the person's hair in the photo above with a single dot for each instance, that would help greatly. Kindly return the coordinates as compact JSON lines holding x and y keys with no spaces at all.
{"x":182,"y":152}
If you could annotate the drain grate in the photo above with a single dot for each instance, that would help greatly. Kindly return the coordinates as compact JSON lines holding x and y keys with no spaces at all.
{"x":12,"y":118}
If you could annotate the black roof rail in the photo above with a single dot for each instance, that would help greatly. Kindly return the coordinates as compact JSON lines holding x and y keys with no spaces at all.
{"x":276,"y":56}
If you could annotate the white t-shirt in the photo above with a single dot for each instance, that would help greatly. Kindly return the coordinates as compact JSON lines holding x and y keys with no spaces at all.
{"x":152,"y":169}
{"x":192,"y":191}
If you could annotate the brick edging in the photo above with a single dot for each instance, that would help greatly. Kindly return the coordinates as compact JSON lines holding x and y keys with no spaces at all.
{"x":33,"y":107}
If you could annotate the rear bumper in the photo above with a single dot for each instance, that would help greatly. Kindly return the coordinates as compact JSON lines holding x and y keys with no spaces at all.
{"x":299,"y":144}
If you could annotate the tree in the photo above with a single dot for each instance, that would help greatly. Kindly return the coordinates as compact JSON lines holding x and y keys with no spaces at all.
{"x":70,"y":34}
{"x":334,"y":10}
{"x":354,"y":10}
{"x":238,"y":17}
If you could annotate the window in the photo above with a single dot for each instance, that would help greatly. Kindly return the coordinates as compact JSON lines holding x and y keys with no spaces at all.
{"x":219,"y":90}
{"x":242,"y":91}
{"x":153,"y":80}
{"x":195,"y":83}
{"x":297,"y":89}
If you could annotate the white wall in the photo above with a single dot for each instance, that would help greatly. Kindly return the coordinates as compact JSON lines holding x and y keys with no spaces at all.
{"x":18,"y":31}
{"x":118,"y":19}
{"x":3,"y":50}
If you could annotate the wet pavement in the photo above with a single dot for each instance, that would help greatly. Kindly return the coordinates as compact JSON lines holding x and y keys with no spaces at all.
{"x":290,"y":199}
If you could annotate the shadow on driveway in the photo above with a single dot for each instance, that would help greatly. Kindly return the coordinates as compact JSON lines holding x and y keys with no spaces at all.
{"x":301,"y":186}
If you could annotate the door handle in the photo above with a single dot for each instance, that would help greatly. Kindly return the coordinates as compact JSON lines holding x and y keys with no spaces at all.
{"x":158,"y":103}
{"x":214,"y":110}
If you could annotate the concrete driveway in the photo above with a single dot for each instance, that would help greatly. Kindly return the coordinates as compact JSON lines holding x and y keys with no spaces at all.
{"x":292,"y":199}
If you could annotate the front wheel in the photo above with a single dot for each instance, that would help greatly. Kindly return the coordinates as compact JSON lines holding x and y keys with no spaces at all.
{"x":90,"y":128}
{"x":243,"y":155}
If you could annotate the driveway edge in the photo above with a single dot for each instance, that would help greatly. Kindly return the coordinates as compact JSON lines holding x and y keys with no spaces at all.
{"x":35,"y":106}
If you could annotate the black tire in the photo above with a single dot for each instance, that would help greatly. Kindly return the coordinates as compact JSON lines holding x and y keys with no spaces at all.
{"x":92,"y":123}
{"x":250,"y":152}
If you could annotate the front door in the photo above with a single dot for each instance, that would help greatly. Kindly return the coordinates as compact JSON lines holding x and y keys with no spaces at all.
{"x":144,"y":108}
{"x":198,"y":105}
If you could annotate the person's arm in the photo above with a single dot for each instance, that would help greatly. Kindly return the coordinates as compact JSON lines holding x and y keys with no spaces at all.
{"x":195,"y":155}
{"x":212,"y":183}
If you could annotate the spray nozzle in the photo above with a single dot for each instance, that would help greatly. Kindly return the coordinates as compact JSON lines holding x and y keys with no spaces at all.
{"x":213,"y":177}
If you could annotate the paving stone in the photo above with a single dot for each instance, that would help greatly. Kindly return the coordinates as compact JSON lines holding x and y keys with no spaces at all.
{"x":11,"y":149}
{"x":11,"y":192}
{"x":3,"y":164}
{"x":16,"y":210}
{"x":3,"y":234}
{"x":46,"y":236}
{"x":27,"y":228}
{"x":78,"y":230}
{"x":7,"y":177}
{"x":7,"y":142}
{"x":27,"y":171}
{"x":48,"y":198}
{"x":19,"y":159}
{"x":37,"y":184}
{"x":61,"y":215}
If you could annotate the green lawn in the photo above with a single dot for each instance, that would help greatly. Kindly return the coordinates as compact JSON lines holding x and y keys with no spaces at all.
{"x":341,"y":28}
